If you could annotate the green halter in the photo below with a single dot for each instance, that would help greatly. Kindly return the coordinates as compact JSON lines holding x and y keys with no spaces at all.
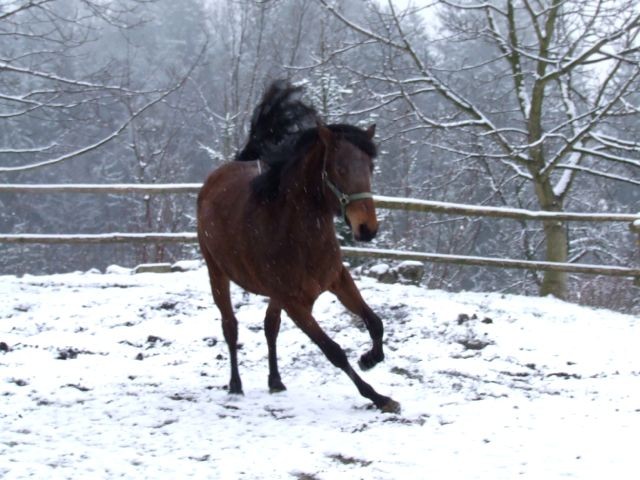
{"x":343,"y":198}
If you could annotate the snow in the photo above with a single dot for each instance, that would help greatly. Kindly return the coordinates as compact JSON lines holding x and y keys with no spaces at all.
{"x":120,"y":375}
{"x":380,"y":269}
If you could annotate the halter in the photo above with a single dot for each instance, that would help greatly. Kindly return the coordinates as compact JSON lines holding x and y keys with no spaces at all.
{"x":343,"y":198}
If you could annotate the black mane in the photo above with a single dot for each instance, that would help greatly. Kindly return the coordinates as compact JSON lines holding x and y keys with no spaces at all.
{"x":292,"y":150}
{"x":279,"y":114}
{"x":278,"y":139}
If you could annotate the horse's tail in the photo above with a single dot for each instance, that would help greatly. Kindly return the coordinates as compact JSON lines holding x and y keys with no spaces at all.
{"x":280,"y":113}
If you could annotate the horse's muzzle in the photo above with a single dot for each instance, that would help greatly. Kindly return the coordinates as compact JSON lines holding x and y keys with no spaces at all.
{"x":364,"y":234}
{"x":361,"y":217}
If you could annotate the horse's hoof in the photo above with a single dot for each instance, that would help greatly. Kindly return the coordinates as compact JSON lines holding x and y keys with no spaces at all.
{"x":235,"y":388}
{"x":275,"y":384}
{"x":391,"y":406}
{"x":369,"y":360}
{"x":277,"y":388}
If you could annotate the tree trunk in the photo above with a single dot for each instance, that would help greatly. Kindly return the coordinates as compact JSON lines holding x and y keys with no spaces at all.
{"x":556,"y":238}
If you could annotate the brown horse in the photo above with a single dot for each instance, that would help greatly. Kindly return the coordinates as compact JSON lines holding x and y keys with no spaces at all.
{"x":267,"y":225}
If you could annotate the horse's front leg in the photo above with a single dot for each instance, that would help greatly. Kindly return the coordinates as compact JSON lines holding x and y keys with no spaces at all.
{"x":347,"y":292}
{"x":300,"y":313}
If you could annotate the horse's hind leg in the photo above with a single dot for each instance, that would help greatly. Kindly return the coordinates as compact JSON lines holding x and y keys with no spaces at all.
{"x":271,"y":329}
{"x":301,"y":315}
{"x":222,"y":299}
{"x":349,"y":295}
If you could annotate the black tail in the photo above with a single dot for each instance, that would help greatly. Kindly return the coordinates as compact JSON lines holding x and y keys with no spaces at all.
{"x":279,"y":114}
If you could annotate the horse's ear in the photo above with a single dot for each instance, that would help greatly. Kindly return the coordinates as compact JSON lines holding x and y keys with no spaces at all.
{"x":371,"y":131}
{"x":326,"y":137}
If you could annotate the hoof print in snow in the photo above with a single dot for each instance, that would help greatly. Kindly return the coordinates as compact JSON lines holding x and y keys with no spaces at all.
{"x":464,"y":318}
{"x":211,"y":341}
{"x":406,"y":373}
{"x":178,"y":397}
{"x":421,"y":420}
{"x":4,"y":348}
{"x":154,"y":341}
{"x":345,"y":460}
{"x":278,"y":413}
{"x":167,"y":305}
{"x":474,"y":343}
{"x":78,"y":387}
{"x":203,"y":458}
{"x":67,"y":354}
{"x":71,"y":353}
{"x":565,"y":375}
{"x":304,"y":476}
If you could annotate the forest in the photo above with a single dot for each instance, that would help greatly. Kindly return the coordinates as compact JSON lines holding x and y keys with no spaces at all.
{"x":527,"y":104}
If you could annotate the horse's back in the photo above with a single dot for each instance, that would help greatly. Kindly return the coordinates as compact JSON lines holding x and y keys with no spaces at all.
{"x":221,"y":203}
{"x":226,"y":186}
{"x":228,"y":229}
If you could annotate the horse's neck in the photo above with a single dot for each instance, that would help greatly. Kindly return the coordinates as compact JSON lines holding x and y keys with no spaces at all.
{"x":306,"y":185}
{"x":306,"y":199}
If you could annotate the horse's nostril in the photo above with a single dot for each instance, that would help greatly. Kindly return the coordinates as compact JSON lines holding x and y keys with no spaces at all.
{"x":366,"y":234}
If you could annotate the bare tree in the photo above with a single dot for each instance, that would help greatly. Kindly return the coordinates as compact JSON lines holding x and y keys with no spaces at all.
{"x":541,"y":88}
{"x":55,"y":87}
{"x":99,"y":92}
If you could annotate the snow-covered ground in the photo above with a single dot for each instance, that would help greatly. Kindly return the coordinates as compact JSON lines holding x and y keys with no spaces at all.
{"x":123,"y":376}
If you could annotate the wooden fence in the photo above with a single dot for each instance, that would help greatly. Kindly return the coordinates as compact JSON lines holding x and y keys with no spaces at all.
{"x":382,"y":202}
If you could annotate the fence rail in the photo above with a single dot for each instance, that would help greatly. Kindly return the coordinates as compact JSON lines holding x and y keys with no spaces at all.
{"x":189,"y":237}
{"x":391,"y":203}
{"x":100,"y":188}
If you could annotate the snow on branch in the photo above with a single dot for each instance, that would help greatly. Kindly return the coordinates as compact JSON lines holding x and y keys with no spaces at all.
{"x":598,"y":173}
{"x":608,"y":156}
{"x":478,"y":118}
{"x":581,"y":58}
{"x":617,"y":143}
{"x":88,"y":148}
{"x":70,"y":81}
{"x":23,"y":7}
{"x":115,"y":133}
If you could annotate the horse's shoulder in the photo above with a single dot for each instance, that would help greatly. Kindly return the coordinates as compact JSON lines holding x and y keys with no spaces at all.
{"x":235,"y":170}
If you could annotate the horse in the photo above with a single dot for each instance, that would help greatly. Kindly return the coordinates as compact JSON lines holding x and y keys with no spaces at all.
{"x":266,"y":223}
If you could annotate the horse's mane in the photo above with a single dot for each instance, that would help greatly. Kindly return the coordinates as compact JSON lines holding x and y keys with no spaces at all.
{"x":279,"y":114}
{"x":279,"y":141}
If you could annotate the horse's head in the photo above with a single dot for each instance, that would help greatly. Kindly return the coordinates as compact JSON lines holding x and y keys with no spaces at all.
{"x":347,"y":171}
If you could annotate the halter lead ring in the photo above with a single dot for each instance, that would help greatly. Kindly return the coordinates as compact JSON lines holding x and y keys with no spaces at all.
{"x":343,"y":198}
